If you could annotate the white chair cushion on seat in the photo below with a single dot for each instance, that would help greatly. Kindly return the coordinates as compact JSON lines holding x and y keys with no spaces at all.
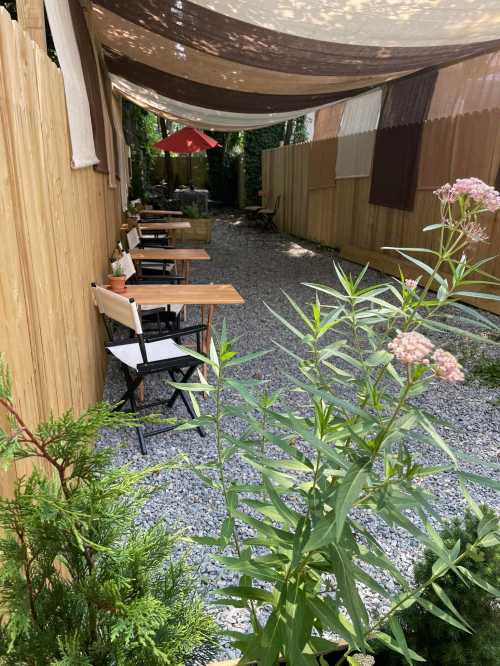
{"x":173,"y":308}
{"x":159,"y":350}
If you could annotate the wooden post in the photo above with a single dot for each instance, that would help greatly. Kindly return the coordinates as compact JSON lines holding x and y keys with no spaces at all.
{"x":31,"y":17}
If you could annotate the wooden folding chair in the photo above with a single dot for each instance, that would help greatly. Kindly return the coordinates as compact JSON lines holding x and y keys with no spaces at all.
{"x":140,"y":356}
{"x":151,"y":268}
{"x":266,"y":216}
{"x":161,"y":313}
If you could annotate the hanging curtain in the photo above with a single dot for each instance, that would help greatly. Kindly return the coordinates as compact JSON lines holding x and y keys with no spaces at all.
{"x":327,"y":121}
{"x":361,"y":113}
{"x":91,"y":77}
{"x":322,"y":159}
{"x":438,"y":142}
{"x":397,"y":144}
{"x":468,"y":86}
{"x":357,"y":135}
{"x":122,"y":149}
{"x":77,"y":101}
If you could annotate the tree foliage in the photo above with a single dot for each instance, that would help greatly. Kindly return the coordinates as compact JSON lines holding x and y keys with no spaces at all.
{"x":141,"y":132}
{"x":80,"y":584}
{"x":255,"y":141}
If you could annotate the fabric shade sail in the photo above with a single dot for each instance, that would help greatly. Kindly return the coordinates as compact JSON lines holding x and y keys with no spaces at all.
{"x":187,"y":140}
{"x":252,"y":63}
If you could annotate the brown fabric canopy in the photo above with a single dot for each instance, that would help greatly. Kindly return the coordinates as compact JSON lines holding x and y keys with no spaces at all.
{"x":250,"y":63}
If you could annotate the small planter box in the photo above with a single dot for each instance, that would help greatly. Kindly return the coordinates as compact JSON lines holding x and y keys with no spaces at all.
{"x":201,"y":230}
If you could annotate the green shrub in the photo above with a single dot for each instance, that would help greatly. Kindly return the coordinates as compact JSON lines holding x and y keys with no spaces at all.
{"x":439,"y":642}
{"x":487,"y":370}
{"x":192,"y":212}
{"x":80,"y":584}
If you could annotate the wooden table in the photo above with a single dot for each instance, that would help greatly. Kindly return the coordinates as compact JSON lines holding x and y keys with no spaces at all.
{"x":184,"y":256}
{"x":165,"y":226}
{"x":161,"y":213}
{"x":208,"y":296}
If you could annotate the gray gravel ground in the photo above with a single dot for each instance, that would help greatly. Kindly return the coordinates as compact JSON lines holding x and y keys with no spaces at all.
{"x":260,"y":265}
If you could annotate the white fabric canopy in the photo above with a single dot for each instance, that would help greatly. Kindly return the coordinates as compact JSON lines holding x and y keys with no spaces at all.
{"x":195,"y":116}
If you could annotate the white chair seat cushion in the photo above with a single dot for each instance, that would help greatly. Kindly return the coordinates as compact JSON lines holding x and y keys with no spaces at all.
{"x":173,"y":308}
{"x":159,"y":350}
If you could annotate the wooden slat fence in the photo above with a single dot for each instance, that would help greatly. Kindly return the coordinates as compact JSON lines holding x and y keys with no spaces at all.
{"x":58,"y":227}
{"x":336,"y":213}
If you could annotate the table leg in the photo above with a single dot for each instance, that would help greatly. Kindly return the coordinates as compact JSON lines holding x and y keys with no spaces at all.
{"x":208,"y":333}
{"x":186,"y":272}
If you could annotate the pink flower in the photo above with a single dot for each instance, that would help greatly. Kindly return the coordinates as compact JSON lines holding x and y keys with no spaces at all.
{"x":447,"y":367}
{"x":472,"y":188}
{"x":411,"y":284}
{"x":475,"y":233}
{"x":446,"y":193}
{"x":411,"y":347}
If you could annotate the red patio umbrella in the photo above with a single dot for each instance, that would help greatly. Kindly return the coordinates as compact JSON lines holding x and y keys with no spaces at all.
{"x":187,"y":140}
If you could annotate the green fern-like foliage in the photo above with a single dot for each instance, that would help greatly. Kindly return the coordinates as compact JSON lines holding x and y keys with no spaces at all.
{"x":80,"y":584}
{"x":438,"y":642}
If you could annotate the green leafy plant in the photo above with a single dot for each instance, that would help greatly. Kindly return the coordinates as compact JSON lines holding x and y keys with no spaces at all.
{"x":443,"y":644}
{"x":80,"y":584}
{"x":487,"y":370}
{"x":118,"y":271}
{"x":344,"y":460}
{"x":192,"y":212}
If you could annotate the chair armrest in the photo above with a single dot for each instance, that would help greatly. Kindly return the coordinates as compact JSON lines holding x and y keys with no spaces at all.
{"x":160,"y":279}
{"x":179,"y":333}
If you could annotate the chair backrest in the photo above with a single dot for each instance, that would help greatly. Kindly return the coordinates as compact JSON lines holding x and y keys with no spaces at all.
{"x":126,"y":263}
{"x":277,"y":203}
{"x":118,"y":308}
{"x":133,"y":239}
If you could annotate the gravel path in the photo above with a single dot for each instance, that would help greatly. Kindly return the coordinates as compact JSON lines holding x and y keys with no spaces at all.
{"x":260,"y":265}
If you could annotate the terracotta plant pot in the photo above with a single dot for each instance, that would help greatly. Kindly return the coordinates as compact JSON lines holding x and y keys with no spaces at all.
{"x":117,"y":283}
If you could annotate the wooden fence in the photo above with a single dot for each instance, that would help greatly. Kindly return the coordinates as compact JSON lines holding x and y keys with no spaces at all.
{"x":335,"y":212}
{"x":58,"y":227}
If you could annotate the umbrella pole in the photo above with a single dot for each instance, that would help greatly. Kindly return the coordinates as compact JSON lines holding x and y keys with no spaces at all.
{"x":190,"y":171}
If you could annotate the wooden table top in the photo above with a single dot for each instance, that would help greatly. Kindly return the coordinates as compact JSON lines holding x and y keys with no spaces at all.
{"x":187,"y":294}
{"x":169,"y":254}
{"x":161,"y":213}
{"x":164,"y":226}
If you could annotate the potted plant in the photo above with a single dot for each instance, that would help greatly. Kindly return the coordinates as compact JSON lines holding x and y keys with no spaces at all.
{"x":201,"y":226}
{"x":117,"y":280}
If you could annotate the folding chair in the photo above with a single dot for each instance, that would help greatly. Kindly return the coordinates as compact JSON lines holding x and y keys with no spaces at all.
{"x":140,"y":356}
{"x":156,"y":238}
{"x":267,"y":215}
{"x":162,"y":312}
{"x":153,"y":268}
{"x":251,"y":211}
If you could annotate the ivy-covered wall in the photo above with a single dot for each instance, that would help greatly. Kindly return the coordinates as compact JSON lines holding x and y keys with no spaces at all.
{"x":255,"y":142}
